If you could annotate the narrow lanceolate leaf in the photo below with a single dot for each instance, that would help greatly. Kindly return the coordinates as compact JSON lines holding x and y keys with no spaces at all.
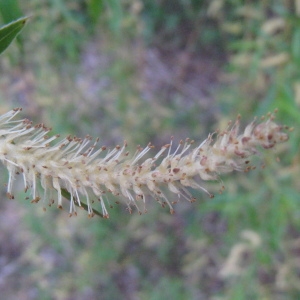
{"x":86,"y":174}
{"x":10,"y":31}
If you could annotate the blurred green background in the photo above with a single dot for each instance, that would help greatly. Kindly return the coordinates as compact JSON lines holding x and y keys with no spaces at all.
{"x":144,"y":70}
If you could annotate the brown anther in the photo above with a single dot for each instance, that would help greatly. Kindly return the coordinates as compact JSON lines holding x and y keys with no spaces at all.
{"x":268,"y":146}
{"x":10,"y":196}
{"x":245,"y":140}
{"x":176,"y":170}
{"x":36,"y":200}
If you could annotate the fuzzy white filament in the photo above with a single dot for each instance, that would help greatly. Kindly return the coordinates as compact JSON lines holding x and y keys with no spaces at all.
{"x":78,"y":166}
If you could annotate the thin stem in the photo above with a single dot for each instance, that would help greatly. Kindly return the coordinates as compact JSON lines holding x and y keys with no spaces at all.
{"x":67,"y":196}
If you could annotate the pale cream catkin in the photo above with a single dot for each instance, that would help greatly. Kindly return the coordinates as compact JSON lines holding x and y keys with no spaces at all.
{"x":85,"y":170}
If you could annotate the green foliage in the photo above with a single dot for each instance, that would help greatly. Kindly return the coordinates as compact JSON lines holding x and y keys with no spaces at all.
{"x":264,"y":52}
{"x":181,"y":24}
{"x":155,"y":255}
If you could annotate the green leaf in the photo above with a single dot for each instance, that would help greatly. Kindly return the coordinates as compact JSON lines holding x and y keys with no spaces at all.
{"x":10,"y":31}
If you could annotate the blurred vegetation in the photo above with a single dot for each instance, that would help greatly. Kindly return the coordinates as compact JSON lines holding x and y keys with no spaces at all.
{"x":145,"y":70}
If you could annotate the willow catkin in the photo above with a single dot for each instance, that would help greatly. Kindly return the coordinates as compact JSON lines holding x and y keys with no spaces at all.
{"x":87,"y":170}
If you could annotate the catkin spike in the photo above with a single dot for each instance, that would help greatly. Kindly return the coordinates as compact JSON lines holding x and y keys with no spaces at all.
{"x":80,"y":167}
